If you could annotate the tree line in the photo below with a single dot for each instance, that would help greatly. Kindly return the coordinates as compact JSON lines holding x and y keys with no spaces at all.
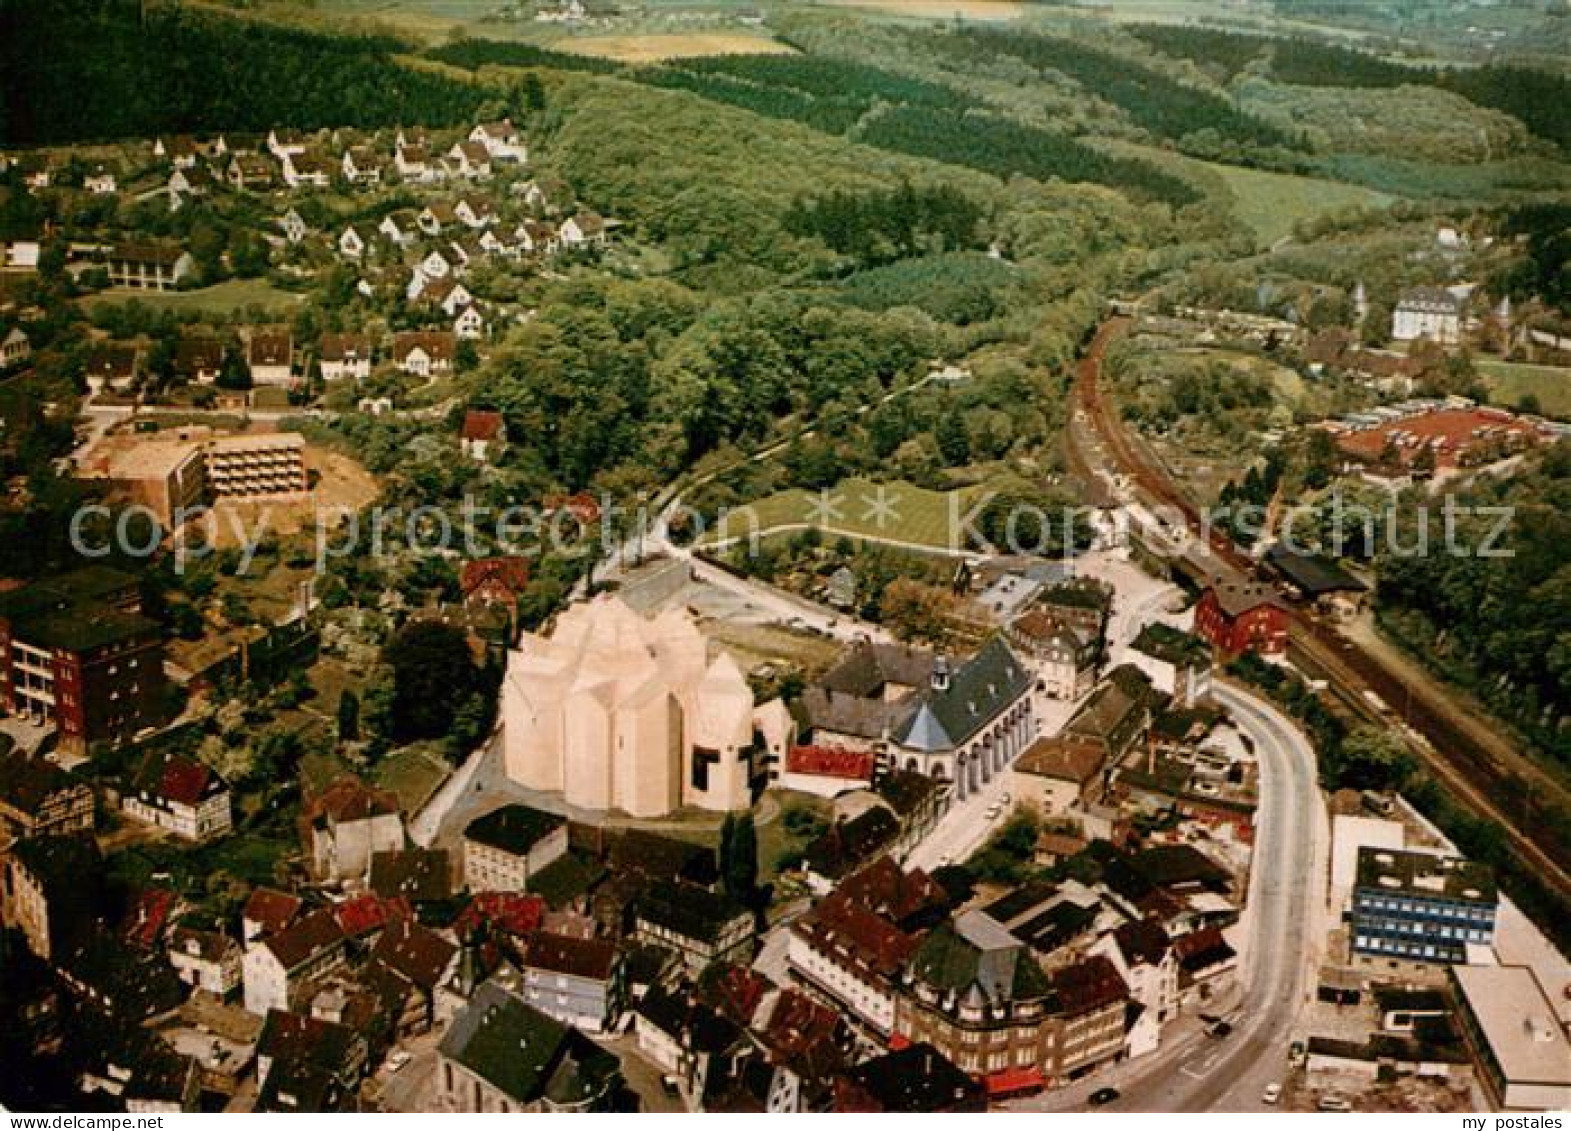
{"x":73,"y":72}
{"x":880,"y":225}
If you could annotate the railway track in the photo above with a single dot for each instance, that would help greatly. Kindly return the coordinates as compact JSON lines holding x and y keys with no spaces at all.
{"x":1463,"y":763}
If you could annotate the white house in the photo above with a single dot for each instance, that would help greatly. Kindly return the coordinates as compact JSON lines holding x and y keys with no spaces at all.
{"x":435,"y":216}
{"x":206,"y":960}
{"x":293,"y":226}
{"x":475,"y":212}
{"x":400,"y":227}
{"x":470,"y":159}
{"x":181,"y":796}
{"x":436,"y":265}
{"x":20,"y":254}
{"x":352,"y":244}
{"x":307,"y":170}
{"x":502,"y":140}
{"x":414,"y":164}
{"x":536,"y":237}
{"x":100,"y":182}
{"x":583,"y":229}
{"x":345,"y":356}
{"x":470,"y":324}
{"x":285,"y":143}
{"x":281,"y":963}
{"x":14,"y":348}
{"x":424,"y":353}
{"x":346,"y":824}
{"x":361,"y":166}
{"x":1430,"y":313}
{"x":270,"y":355}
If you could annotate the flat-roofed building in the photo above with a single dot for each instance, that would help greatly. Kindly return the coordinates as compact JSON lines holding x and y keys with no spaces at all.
{"x":248,"y":466}
{"x":1419,"y":907}
{"x":1523,"y":1054}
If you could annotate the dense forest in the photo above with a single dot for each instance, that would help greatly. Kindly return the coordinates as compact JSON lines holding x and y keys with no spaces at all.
{"x":908,"y":115}
{"x":71,"y":71}
{"x":1500,"y":624}
{"x":1158,"y":104}
{"x":881,"y":225}
{"x":472,"y":54}
{"x":1537,"y":98}
{"x":1543,"y":270}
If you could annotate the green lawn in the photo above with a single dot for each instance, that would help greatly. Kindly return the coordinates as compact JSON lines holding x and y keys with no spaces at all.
{"x":909,"y":514}
{"x":224,"y":298}
{"x":1509,"y":383}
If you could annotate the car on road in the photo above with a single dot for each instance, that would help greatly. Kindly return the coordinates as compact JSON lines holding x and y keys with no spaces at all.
{"x":1272,"y":1093}
{"x":1219,"y":1030}
{"x":1103,"y":1096}
{"x":1334,"y":1102}
{"x":397,"y":1061}
{"x":993,"y":811}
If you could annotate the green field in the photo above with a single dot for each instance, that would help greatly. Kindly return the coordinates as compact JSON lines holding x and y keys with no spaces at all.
{"x":1509,"y":383}
{"x":224,"y":298}
{"x":894,"y":512}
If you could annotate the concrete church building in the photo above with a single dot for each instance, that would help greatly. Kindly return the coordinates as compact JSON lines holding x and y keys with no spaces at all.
{"x":616,"y":711}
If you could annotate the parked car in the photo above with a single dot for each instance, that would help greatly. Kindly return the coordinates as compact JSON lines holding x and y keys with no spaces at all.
{"x":397,"y":1061}
{"x":1103,"y":1096}
{"x":1272,"y":1093}
{"x":992,"y":812}
{"x":1334,"y":1102}
{"x":1219,"y":1030}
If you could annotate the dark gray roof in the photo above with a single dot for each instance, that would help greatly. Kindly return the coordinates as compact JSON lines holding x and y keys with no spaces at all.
{"x":507,"y":1043}
{"x":513,"y":828}
{"x":1314,"y":574}
{"x":978,"y":692}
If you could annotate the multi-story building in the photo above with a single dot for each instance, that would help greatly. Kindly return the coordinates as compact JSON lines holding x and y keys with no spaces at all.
{"x":1065,"y":658}
{"x":49,"y":891}
{"x":1418,"y":907}
{"x":149,"y":267}
{"x":1523,"y":1053}
{"x":507,"y":846}
{"x":348,"y":823}
{"x":1429,"y":313}
{"x":245,"y":467}
{"x":1088,"y":1008}
{"x":76,"y":654}
{"x":977,"y":994}
{"x":1178,"y":663}
{"x":701,"y":926}
{"x":38,"y":798}
{"x":278,"y":965}
{"x":578,"y":981}
{"x":1242,"y":616}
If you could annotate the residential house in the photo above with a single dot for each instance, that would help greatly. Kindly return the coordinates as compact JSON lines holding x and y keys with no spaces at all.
{"x":307,"y":171}
{"x":268,"y":912}
{"x":1060,"y":773}
{"x":502,"y":140}
{"x":1204,"y":959}
{"x":206,"y":960}
{"x":100,"y":182}
{"x":483,"y":434}
{"x":38,"y":798}
{"x":400,"y":227}
{"x":148,"y":267}
{"x":199,"y":358}
{"x":1242,"y":616}
{"x":470,"y":160}
{"x":419,"y":875}
{"x":345,"y":824}
{"x":415,"y":166}
{"x":1179,"y":663}
{"x":475,"y":211}
{"x":250,"y":172}
{"x":185,"y":183}
{"x":113,"y":367}
{"x":344,"y":356}
{"x":1064,"y":653}
{"x":361,"y":167}
{"x":507,"y":846}
{"x":536,"y":237}
{"x":20,"y":251}
{"x":49,"y":892}
{"x":293,"y":226}
{"x":180,"y":151}
{"x":308,"y":1064}
{"x":437,"y":216}
{"x":15,"y":348}
{"x":1144,"y":957}
{"x":270,"y":355}
{"x":583,"y":229}
{"x":502,"y":1055}
{"x":424,"y":353}
{"x":578,"y":981}
{"x":285,"y":143}
{"x":849,"y":845}
{"x":684,"y":1037}
{"x":491,"y":582}
{"x":179,"y":795}
{"x":470,"y":324}
{"x":700,"y":925}
{"x":418,"y":961}
{"x":1432,"y":314}
{"x":915,"y":1079}
{"x":276,"y":966}
{"x":353,"y":243}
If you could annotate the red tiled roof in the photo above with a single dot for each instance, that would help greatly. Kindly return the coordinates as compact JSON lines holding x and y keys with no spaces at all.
{"x":350,"y":799}
{"x":565,"y":954}
{"x":185,"y":782}
{"x":581,"y":506}
{"x":510,"y":912}
{"x":830,"y":762}
{"x":144,"y":923}
{"x":884,"y":888}
{"x":482,"y":425}
{"x":858,"y":937}
{"x":737,"y":992}
{"x":513,"y":572}
{"x":370,"y":912}
{"x":271,"y":910}
{"x":1013,"y":1081}
{"x":798,"y":1026}
{"x":1092,"y":984}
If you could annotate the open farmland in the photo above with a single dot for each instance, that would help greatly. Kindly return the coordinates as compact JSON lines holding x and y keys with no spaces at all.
{"x":658,"y":48}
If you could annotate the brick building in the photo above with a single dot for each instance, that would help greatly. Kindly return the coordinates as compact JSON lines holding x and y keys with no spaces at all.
{"x":1242,"y":617}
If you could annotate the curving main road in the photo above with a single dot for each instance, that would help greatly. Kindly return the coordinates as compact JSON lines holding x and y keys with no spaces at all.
{"x":1192,"y":1072}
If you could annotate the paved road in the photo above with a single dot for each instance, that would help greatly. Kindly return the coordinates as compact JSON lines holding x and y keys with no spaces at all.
{"x":1278,"y":948}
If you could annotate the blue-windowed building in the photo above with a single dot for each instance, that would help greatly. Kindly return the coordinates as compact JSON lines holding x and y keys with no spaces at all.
{"x":1421,"y":907}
